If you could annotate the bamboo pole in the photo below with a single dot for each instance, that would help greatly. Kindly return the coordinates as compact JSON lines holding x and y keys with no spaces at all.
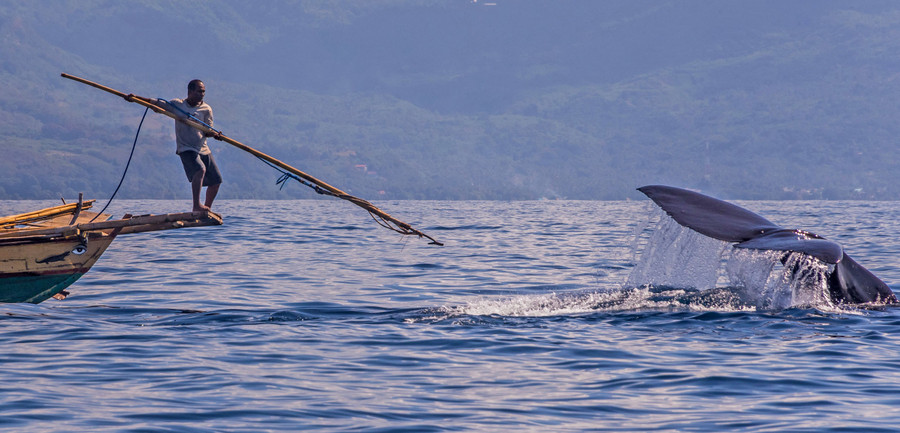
{"x":386,"y":220}
{"x":43,"y":213}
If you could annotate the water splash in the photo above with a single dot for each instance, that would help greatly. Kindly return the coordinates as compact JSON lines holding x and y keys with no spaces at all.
{"x":676,"y":256}
{"x":676,"y":269}
{"x":779,"y":280}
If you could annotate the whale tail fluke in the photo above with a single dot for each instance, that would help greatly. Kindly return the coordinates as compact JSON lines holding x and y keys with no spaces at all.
{"x":849,"y":283}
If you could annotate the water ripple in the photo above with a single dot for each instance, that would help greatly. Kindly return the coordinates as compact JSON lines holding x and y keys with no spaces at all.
{"x":303,"y":316}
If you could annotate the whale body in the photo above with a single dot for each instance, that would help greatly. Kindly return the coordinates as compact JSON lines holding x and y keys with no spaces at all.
{"x":849,"y":283}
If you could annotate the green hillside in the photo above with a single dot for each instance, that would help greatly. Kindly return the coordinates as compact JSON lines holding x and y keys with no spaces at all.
{"x":406,"y":99}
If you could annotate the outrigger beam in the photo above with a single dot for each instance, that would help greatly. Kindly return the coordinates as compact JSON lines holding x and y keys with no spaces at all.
{"x":380,"y":216}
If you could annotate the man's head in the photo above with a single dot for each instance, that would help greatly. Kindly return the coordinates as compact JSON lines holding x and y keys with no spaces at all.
{"x":196,"y":91}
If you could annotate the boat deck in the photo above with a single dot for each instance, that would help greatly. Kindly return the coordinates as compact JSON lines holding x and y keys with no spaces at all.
{"x":74,"y":220}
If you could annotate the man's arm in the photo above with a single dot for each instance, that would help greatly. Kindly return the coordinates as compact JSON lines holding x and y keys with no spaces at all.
{"x":161,"y":106}
{"x":131,"y":97}
{"x":215,"y":133}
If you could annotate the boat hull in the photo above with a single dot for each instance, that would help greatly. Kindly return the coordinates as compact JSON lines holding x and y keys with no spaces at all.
{"x":43,"y":252}
{"x":36,"y":271}
{"x":35,"y":289}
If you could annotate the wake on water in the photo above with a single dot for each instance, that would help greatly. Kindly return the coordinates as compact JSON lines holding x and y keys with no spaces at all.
{"x":678,"y":269}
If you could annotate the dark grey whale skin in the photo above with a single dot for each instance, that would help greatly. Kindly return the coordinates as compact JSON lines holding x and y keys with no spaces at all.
{"x":850,"y":283}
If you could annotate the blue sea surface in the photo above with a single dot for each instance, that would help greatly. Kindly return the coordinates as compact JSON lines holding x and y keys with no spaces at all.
{"x":307,"y":316}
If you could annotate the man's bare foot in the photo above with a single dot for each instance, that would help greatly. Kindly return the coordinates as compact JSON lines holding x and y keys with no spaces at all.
{"x":201,"y":208}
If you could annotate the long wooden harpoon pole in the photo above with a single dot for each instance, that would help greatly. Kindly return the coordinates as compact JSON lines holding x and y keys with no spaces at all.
{"x":380,"y":216}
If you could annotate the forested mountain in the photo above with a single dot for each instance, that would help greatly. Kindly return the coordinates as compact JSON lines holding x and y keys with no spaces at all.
{"x":460,"y":99}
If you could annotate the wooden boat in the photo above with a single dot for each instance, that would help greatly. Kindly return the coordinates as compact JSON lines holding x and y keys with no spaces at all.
{"x":45,"y":251}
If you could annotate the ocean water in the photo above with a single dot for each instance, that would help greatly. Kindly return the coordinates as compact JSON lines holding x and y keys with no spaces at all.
{"x":535,"y":316}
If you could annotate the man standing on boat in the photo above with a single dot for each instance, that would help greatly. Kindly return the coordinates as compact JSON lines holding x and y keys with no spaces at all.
{"x":196,"y":157}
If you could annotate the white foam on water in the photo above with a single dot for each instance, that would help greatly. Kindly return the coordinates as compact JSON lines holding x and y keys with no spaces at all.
{"x":645,"y":298}
{"x":550,"y":304}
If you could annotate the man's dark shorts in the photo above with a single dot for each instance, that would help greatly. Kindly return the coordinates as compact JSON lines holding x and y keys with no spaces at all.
{"x":194,"y":162}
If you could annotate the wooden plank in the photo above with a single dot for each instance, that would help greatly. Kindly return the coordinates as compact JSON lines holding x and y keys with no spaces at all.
{"x":38,"y":215}
{"x":186,"y":219}
{"x":130,"y":225}
{"x":196,"y":218}
{"x":47,"y":237}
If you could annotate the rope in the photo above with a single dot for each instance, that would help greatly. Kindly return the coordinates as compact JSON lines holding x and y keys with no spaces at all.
{"x":401,"y":228}
{"x":285,"y":176}
{"x":133,"y":145}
